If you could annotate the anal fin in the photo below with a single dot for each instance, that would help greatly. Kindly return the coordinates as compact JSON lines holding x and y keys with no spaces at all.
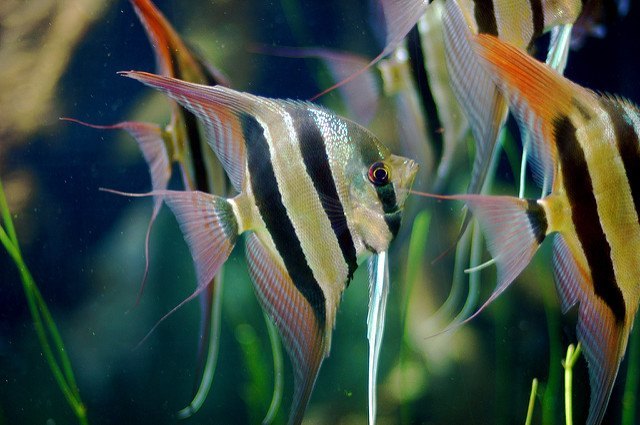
{"x":603,"y":338}
{"x":303,"y":336}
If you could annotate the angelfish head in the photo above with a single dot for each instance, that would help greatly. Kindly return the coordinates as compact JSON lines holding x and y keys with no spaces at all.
{"x":379,"y":193}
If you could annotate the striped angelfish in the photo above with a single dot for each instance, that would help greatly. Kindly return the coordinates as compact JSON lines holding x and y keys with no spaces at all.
{"x":316,"y":195}
{"x":588,"y":146}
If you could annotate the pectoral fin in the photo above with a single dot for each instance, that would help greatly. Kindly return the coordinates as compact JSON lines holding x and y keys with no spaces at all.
{"x":303,"y":336}
{"x":378,"y":293}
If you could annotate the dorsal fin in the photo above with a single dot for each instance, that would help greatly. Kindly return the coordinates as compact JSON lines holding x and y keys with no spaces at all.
{"x":219,"y":109}
{"x":527,"y":83}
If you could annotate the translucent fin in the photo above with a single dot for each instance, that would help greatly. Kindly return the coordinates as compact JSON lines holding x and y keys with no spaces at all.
{"x":399,"y":17}
{"x":210,"y":229}
{"x":219,"y":109}
{"x":399,"y":85}
{"x":557,"y":57}
{"x":302,"y":334}
{"x":154,"y":150}
{"x":209,"y":226}
{"x":484,"y":106}
{"x":378,"y":293}
{"x":361,"y":95}
{"x":173,"y":57}
{"x":514,"y":229}
{"x":454,"y":123}
{"x":558,"y":54}
{"x":528,"y":83}
{"x":603,"y":338}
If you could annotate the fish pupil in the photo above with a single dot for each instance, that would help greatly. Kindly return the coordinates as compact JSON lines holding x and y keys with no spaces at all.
{"x":379,"y":174}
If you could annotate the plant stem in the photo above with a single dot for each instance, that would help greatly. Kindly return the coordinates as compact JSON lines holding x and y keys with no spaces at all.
{"x":570,"y":361}
{"x":42,"y":319}
{"x":532,"y":400}
{"x":415,"y":261}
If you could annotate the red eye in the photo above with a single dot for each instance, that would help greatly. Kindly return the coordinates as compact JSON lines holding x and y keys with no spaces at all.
{"x":379,"y":174}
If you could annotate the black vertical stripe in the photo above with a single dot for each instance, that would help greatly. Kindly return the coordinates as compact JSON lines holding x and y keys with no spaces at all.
{"x":193,"y":133}
{"x":273,"y":212}
{"x":392,"y":215}
{"x":316,"y":161}
{"x":538,"y":18}
{"x":584,"y":214}
{"x":370,"y":154}
{"x":485,"y":17}
{"x":628,"y":146}
{"x":537,"y":220}
{"x":421,"y":78}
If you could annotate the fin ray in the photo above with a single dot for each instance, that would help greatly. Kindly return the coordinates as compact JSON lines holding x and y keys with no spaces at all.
{"x":379,"y":291}
{"x":301,"y":333}
{"x":218,"y":109}
{"x":602,"y":337}
{"x":514,"y":229}
{"x":154,"y":150}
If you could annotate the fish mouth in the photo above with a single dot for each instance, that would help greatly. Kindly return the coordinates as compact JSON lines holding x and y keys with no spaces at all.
{"x":411,"y":169}
{"x":406,"y":170}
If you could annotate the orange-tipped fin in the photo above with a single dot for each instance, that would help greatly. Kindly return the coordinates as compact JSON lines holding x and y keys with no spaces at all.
{"x":538,"y":95}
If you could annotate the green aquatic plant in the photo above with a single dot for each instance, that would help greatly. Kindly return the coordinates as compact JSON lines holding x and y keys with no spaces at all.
{"x":46,"y":329}
{"x":415,"y":256}
{"x":532,"y":400}
{"x":573,"y":353}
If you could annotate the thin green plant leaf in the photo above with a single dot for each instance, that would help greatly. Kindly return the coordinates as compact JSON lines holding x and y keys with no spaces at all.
{"x":572,"y":357}
{"x":278,"y":372}
{"x":415,"y":260}
{"x":57,"y":340}
{"x":552,"y":387}
{"x":6,"y":217}
{"x":42,"y":320}
{"x":532,"y":401}
{"x":212,"y":352}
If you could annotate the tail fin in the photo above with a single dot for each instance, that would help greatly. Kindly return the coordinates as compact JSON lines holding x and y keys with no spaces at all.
{"x":514,"y":229}
{"x":210,"y":228}
{"x":150,"y":139}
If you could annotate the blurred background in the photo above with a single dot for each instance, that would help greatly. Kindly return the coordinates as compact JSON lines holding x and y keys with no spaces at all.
{"x":59,"y":58}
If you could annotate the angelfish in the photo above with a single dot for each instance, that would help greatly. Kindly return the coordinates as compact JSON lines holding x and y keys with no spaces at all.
{"x":588,"y":146}
{"x":316,"y":195}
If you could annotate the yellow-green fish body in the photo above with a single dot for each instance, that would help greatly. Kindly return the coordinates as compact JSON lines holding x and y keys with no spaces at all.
{"x":317,"y":194}
{"x":588,"y":146}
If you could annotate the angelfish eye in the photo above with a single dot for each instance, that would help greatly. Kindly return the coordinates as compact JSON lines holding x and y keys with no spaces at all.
{"x":379,"y":174}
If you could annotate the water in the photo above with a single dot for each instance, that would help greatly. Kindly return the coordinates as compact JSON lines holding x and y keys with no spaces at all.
{"x":85,"y":247}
